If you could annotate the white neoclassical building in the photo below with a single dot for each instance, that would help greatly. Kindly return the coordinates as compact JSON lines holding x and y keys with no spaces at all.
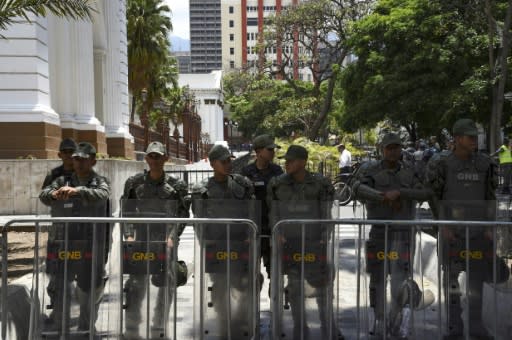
{"x":64,"y":78}
{"x":207,"y":89}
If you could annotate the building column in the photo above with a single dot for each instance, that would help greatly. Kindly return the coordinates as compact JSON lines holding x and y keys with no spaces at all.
{"x":28,"y":124}
{"x":120,"y":142}
{"x":73,"y":68}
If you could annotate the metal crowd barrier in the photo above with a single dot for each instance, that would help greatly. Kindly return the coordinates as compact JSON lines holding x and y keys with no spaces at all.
{"x":339,"y":310}
{"x":115,"y":281}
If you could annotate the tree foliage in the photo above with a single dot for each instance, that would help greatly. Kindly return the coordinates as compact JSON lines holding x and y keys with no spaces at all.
{"x":263,"y":105}
{"x":150,"y":64}
{"x":420,"y":63}
{"x":74,"y":9}
{"x":315,"y":32}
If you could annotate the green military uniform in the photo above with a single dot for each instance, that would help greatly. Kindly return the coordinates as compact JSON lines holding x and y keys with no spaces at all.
{"x":464,"y":190}
{"x":164,"y":197}
{"x":217,"y":199}
{"x":260,"y":179}
{"x":66,"y":144}
{"x":92,"y":200}
{"x":373,"y":179}
{"x":310,"y":199}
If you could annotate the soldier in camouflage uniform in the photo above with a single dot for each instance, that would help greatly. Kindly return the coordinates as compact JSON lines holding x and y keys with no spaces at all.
{"x":390,"y":190}
{"x":224,"y":185}
{"x":66,"y":149}
{"x":150,"y":194}
{"x":91,"y":190}
{"x":464,"y":184}
{"x":300,"y":186}
{"x":260,"y":172}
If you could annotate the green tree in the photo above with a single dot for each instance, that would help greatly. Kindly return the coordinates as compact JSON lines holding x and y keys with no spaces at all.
{"x":149,"y":59}
{"x":499,"y":52}
{"x":420,"y":63}
{"x":76,"y":9}
{"x":316,"y":32}
{"x":252,"y":98}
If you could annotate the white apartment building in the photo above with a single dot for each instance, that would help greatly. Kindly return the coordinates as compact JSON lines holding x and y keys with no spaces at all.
{"x":242,"y":29}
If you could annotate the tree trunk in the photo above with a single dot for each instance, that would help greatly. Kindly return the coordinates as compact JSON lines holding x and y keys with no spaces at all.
{"x":313,"y":133}
{"x":132,"y":113}
{"x":499,"y":71}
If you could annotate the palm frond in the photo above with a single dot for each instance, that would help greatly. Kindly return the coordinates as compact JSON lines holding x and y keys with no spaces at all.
{"x":10,"y":10}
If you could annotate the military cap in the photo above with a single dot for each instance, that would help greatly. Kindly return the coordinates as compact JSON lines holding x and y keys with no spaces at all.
{"x":219,"y":152}
{"x":264,"y":141}
{"x":85,"y":150}
{"x":465,"y":127}
{"x":67,"y":144}
{"x":391,"y":138}
{"x":296,"y":152}
{"x":156,"y":147}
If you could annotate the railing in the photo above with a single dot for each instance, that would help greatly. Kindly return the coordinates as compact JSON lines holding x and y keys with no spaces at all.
{"x":114,"y":324}
{"x":342,"y":301}
{"x":346,"y":305}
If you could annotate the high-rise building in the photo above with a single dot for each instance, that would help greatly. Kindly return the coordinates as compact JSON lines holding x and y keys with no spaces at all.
{"x":205,"y":36}
{"x":243,"y":25}
{"x":183,"y":59}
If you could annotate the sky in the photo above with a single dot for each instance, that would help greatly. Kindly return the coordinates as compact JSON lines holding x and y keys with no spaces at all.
{"x":180,"y":18}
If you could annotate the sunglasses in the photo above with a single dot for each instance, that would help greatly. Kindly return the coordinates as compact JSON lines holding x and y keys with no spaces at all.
{"x":155,"y":156}
{"x":270,"y":149}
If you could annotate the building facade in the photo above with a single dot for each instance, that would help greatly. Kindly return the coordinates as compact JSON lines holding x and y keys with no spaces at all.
{"x":205,"y":35}
{"x":209,"y":103}
{"x":243,"y":25}
{"x":63,"y":78}
{"x":183,"y":59}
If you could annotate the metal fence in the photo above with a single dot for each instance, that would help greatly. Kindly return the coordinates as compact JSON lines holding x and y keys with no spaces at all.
{"x":403,"y":266}
{"x":110,"y":324}
{"x":333,"y":269}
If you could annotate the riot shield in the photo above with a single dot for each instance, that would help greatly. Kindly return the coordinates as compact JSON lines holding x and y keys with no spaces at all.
{"x":304,"y":271}
{"x":70,"y":274}
{"x":150,"y":269}
{"x":395,"y":279}
{"x":227,"y":279}
{"x":472,"y":271}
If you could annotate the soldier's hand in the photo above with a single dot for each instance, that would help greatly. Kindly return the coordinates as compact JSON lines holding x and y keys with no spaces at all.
{"x":390,"y":196}
{"x":170,"y":243}
{"x":130,"y":239}
{"x":64,"y":193}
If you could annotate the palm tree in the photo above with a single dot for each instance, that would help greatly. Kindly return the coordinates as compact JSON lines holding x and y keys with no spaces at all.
{"x":74,"y":9}
{"x":148,"y":28}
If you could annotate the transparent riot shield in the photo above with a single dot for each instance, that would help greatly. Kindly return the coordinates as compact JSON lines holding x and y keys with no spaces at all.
{"x":151,"y":271}
{"x":395,"y":266}
{"x":397,"y":290}
{"x":304,"y":271}
{"x":227,"y":280}
{"x":70,"y":274}
{"x":472,"y":272}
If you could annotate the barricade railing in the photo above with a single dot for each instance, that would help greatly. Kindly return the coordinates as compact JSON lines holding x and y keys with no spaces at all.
{"x":355,"y":316}
{"x":116,"y":280}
